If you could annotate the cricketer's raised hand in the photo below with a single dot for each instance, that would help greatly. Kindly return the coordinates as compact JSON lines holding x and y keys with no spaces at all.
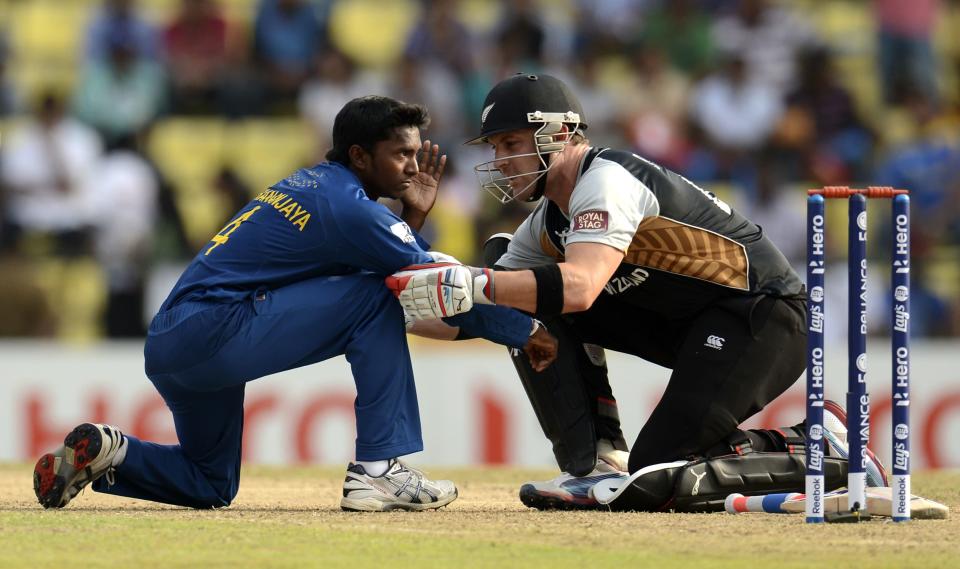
{"x":418,"y":200}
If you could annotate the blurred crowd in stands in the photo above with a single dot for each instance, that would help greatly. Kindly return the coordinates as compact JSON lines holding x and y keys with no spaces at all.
{"x":750,"y":98}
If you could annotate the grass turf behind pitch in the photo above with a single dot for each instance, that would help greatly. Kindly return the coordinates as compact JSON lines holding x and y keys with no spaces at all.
{"x":290,"y":517}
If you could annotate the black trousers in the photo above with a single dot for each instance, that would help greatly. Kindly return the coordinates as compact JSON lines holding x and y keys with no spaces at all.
{"x":728,"y":362}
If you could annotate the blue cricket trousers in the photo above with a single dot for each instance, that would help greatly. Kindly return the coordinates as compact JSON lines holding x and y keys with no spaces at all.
{"x":199,"y":356}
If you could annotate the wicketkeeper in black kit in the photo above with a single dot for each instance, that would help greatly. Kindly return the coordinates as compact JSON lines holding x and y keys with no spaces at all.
{"x":626,"y":255}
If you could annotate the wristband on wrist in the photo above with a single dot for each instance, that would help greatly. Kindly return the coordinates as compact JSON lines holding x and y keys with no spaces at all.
{"x":536,"y":326}
{"x":549,"y":289}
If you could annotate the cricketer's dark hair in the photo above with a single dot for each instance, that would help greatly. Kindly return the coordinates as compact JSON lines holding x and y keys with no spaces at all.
{"x":366,"y":121}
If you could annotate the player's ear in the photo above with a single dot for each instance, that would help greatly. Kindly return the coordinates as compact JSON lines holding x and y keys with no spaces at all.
{"x":359,"y":158}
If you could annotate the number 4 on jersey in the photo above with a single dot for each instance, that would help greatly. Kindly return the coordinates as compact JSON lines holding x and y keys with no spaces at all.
{"x":224,"y":234}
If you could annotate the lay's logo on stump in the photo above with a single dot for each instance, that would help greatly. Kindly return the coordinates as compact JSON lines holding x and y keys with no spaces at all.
{"x":592,"y":220}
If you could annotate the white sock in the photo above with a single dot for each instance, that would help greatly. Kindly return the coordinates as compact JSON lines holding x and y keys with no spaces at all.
{"x":121,"y":452}
{"x":374,"y":467}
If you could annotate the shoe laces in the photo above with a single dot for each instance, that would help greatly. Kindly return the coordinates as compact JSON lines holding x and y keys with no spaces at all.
{"x":404,"y":466}
{"x":417,"y":476}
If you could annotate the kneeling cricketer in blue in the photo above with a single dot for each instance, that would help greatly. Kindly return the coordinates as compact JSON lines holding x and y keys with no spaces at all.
{"x":295,"y":278}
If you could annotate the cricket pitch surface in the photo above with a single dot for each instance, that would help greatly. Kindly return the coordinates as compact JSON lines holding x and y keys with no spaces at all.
{"x":290,"y":517}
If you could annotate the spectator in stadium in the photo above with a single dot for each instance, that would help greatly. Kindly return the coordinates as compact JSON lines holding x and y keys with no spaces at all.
{"x":607,"y":25}
{"x":778,"y":209}
{"x":126,"y":196}
{"x":905,"y":54}
{"x":820,"y":132}
{"x":195,"y":46}
{"x":121,"y":17}
{"x":122,"y":95}
{"x":47,"y":168}
{"x":296,"y":278}
{"x":9,"y":94}
{"x":682,"y":30}
{"x":243,"y":91}
{"x":521,"y":36}
{"x":441,"y":43}
{"x":232,"y":189}
{"x":439,"y":35}
{"x":23,"y":302}
{"x":335,"y":80}
{"x":587,"y":72}
{"x":737,"y":113}
{"x":768,"y":38}
{"x":170,"y":239}
{"x":928,"y":164}
{"x":428,"y":81}
{"x":736,"y":116}
{"x":653,"y":105}
{"x":288,"y":36}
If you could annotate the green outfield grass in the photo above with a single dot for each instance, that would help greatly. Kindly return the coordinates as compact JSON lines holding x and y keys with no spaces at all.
{"x":289,"y":517}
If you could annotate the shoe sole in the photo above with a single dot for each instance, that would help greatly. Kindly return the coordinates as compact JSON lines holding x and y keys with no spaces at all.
{"x":55,"y":472}
{"x":376,"y":505}
{"x":537,"y":499}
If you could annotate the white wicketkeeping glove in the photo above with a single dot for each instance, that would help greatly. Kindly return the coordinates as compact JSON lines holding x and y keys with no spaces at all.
{"x":439,"y":257}
{"x":439,"y":290}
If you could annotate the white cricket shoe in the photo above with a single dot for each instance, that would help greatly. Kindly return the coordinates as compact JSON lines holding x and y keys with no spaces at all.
{"x":619,"y":459}
{"x":90,"y":451}
{"x":399,"y":488}
{"x":567,"y":492}
{"x":835,"y":432}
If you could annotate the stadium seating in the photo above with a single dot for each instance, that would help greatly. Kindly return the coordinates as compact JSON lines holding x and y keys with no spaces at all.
{"x":190,"y":152}
{"x":47,"y":39}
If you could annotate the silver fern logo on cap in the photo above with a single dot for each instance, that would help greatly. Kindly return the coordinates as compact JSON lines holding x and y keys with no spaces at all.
{"x":486,"y":112}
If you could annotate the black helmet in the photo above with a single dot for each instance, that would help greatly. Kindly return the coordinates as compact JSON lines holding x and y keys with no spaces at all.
{"x":528,"y":101}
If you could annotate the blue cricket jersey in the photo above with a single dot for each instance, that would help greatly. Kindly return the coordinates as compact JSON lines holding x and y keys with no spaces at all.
{"x":320,"y":222}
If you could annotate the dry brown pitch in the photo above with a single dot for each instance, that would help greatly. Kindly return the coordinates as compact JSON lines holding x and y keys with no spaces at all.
{"x":289,"y":517}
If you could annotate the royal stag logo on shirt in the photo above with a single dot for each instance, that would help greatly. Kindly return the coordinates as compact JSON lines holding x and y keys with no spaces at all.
{"x":591,"y":220}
